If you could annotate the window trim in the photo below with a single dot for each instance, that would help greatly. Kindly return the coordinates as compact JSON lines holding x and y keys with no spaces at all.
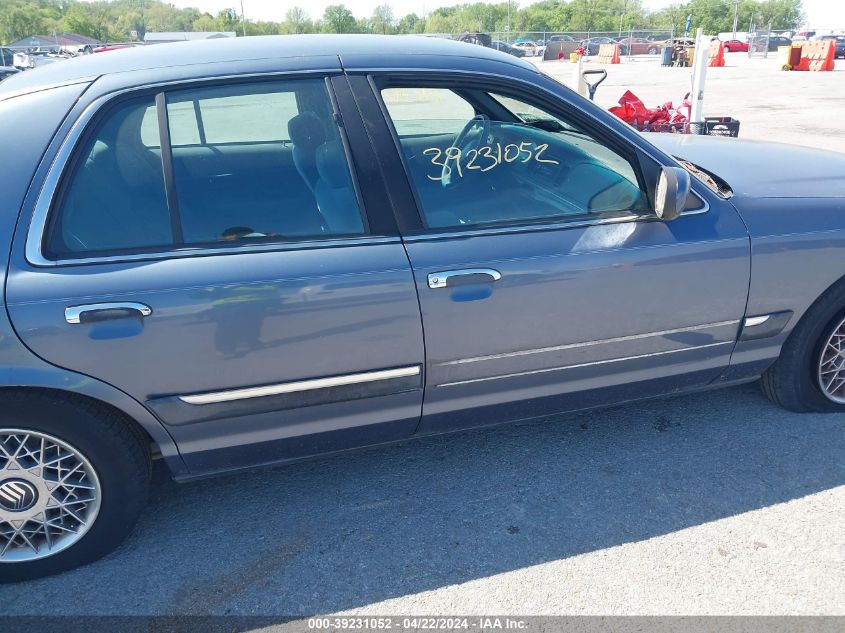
{"x":66,"y":159}
{"x":377,"y":79}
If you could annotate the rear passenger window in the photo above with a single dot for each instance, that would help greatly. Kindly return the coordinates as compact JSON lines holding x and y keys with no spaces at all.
{"x":268,"y":164}
{"x":259,"y":162}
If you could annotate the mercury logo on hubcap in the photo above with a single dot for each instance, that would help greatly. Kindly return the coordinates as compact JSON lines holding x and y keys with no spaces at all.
{"x":17,"y":495}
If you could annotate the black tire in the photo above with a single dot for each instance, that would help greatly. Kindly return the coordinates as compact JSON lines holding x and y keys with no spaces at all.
{"x":116,"y":449}
{"x":792,"y":382}
{"x":652,"y":51}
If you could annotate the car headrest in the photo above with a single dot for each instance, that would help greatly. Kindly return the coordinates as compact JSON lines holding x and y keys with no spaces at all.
{"x":306,"y":131}
{"x":331,"y":165}
{"x":133,"y":159}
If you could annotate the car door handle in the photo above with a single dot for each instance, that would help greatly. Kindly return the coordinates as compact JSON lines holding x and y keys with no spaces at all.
{"x":464,"y":276}
{"x":94,"y":312}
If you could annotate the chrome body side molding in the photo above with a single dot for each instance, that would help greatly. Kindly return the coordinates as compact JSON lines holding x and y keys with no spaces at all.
{"x":300,"y":385}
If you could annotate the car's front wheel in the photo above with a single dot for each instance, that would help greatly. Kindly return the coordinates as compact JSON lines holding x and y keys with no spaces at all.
{"x":809,"y":375}
{"x":73,"y":481}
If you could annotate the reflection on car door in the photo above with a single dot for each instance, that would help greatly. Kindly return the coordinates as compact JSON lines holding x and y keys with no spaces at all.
{"x":525,"y":315}
{"x":270,"y":319}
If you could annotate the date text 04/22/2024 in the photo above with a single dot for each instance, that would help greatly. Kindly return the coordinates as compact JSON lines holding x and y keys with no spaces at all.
{"x":479,"y":623}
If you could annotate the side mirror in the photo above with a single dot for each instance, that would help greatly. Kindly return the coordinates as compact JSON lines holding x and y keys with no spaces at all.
{"x":673,"y":188}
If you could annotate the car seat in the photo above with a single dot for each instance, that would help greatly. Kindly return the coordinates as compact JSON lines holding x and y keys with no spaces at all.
{"x":307,"y":134}
{"x":333,"y":191}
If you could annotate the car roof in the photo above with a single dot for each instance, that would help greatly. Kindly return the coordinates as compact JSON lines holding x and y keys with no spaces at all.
{"x":235,"y":49}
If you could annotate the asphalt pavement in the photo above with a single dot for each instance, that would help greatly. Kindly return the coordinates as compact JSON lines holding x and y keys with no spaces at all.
{"x":715,"y":503}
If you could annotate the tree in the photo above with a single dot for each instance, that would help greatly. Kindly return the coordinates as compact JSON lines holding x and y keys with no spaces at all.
{"x":297,"y":21}
{"x":411,"y":23}
{"x":382,"y":20}
{"x":20,"y":22}
{"x":338,"y":19}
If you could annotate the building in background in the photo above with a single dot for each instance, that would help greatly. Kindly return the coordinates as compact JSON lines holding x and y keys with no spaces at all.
{"x":60,"y":42}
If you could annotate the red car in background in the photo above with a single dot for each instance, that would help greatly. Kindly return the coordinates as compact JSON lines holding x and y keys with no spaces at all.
{"x":638,"y":46}
{"x":735,"y":46}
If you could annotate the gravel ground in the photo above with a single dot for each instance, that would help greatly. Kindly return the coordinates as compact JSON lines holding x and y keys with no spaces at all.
{"x":717,"y":503}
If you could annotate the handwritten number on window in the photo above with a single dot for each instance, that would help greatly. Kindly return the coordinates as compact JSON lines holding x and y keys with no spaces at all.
{"x":485,"y":158}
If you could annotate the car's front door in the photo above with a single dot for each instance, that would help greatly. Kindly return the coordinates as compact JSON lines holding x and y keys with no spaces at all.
{"x":546,"y":282}
{"x":209,"y":252}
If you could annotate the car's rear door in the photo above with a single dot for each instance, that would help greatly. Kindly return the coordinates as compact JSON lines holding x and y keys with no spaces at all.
{"x":546,"y":282}
{"x":208,"y":249}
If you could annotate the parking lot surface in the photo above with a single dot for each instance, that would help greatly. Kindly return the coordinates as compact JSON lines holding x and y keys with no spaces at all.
{"x":715,"y":503}
{"x":772,"y":105}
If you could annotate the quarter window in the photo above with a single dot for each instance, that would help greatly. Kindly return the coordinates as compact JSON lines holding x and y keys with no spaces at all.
{"x":510,"y":162}
{"x":257,"y":162}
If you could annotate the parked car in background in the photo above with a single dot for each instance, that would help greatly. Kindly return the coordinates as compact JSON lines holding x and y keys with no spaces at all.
{"x":592,"y":45}
{"x":36,"y":59}
{"x":760,"y":43}
{"x":464,"y":241}
{"x":7,"y":56}
{"x":7,"y":71}
{"x":638,"y":46}
{"x":840,"y":43}
{"x":501,"y":45}
{"x":111,"y":47}
{"x":735,"y":46}
{"x":529,"y":47}
{"x":560,"y":38}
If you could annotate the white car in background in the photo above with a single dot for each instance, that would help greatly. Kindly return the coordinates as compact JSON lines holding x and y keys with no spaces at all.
{"x":530,"y":48}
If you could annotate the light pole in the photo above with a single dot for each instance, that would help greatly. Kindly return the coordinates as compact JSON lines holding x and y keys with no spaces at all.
{"x":243,"y":19}
{"x":509,"y":21}
{"x":736,"y":15}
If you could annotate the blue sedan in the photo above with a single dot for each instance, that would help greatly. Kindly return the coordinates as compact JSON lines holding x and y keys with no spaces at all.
{"x":228,"y":253}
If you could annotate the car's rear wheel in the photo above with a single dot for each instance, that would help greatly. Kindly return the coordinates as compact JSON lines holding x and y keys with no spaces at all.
{"x":809,"y":375}
{"x":652,"y":51}
{"x":73,"y":481}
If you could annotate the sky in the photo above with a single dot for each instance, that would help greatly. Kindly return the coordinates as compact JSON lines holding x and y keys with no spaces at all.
{"x":820,"y":13}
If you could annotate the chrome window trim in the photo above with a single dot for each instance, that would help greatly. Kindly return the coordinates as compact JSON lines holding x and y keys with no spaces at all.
{"x":457,"y":231}
{"x":33,"y":250}
{"x":300,"y":385}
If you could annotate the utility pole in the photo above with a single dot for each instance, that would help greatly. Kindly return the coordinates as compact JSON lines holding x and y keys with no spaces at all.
{"x":509,"y":21}
{"x":736,"y":15}
{"x":243,"y":19}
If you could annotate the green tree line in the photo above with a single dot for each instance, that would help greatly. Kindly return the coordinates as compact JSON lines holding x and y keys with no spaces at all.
{"x":118,"y":20}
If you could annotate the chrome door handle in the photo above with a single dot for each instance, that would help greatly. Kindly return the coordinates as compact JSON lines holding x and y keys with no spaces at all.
{"x":464,"y":276}
{"x":106,"y":311}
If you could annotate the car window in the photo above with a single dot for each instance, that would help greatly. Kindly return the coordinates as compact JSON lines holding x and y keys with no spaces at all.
{"x":260,"y":161}
{"x":521,"y":166}
{"x":115,"y":199}
{"x":424,"y":111}
{"x":251,"y":163}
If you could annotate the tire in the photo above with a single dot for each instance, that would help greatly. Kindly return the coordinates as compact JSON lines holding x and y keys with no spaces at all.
{"x":652,"y":51}
{"x":727,"y":49}
{"x":107,"y":489}
{"x":793,"y":382}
